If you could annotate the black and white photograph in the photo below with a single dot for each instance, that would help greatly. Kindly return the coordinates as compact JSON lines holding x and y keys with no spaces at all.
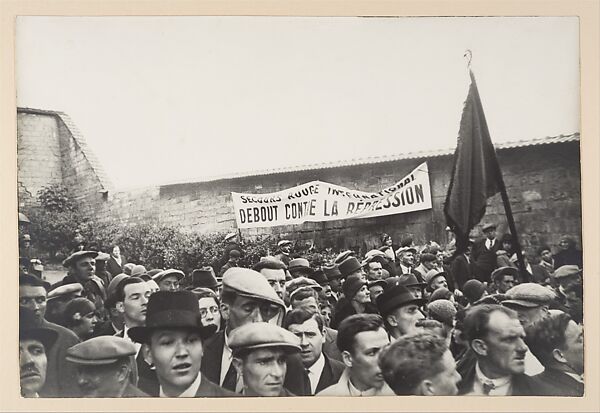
{"x":286,"y":206}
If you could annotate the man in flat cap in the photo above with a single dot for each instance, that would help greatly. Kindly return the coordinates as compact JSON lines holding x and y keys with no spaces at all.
{"x":373,"y":269}
{"x":496,"y":337}
{"x":530,"y":300}
{"x":483,"y":253}
{"x":320,"y":370}
{"x":420,"y":364}
{"x":104,"y":367}
{"x":435,"y":279}
{"x":284,"y":248}
{"x":58,"y":298}
{"x":504,"y":279}
{"x":35,"y":341}
{"x":406,"y":260}
{"x":260,"y":356}
{"x":361,"y":337}
{"x":300,"y":267}
{"x":557,"y":341}
{"x":60,"y":378}
{"x":173,"y":342}
{"x":247,"y":298}
{"x":427,"y":263}
{"x":169,"y":280}
{"x":400,"y":310}
{"x":274,"y":272}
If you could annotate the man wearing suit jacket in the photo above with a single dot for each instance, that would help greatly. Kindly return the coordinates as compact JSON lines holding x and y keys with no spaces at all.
{"x":172,"y":341}
{"x":461,"y":269}
{"x":557,"y":342}
{"x":496,"y":337}
{"x":484,"y":253}
{"x":115,"y":263}
{"x":246,"y":298}
{"x":320,"y":371}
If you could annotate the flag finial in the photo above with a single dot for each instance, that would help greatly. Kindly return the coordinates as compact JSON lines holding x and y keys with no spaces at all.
{"x":469,"y":56}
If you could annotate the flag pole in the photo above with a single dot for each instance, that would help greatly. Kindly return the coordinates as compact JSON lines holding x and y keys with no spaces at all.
{"x":504,"y":195}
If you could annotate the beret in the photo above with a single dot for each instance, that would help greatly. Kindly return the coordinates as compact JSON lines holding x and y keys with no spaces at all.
{"x":431,"y":274}
{"x":529,"y":295}
{"x":138,"y":270}
{"x":283,"y":242}
{"x":348,"y":266}
{"x":444,"y":311}
{"x":73,"y":258}
{"x":81,"y":306}
{"x":171,"y":271}
{"x":74,"y":288}
{"x":504,"y":271}
{"x":299,"y":264}
{"x":100,"y":350}
{"x":250,"y":283}
{"x":262,"y":335}
{"x":351,"y":286}
{"x":567,"y":271}
{"x":229,"y":236}
{"x":300,"y":282}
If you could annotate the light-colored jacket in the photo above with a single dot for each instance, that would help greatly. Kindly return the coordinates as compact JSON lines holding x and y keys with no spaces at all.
{"x":342,"y":388}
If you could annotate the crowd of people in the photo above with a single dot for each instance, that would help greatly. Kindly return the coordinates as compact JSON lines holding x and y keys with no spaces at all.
{"x":398,"y":320}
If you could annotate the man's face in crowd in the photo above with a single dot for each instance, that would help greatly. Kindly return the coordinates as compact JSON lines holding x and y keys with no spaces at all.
{"x":85,"y":268}
{"x":326,"y":314}
{"x":430,"y":265}
{"x":33,"y":298}
{"x":326,"y":289}
{"x":311,"y":340}
{"x":446,"y":381}
{"x":177,"y":356}
{"x":506,"y":283}
{"x":547,"y":255}
{"x":389,"y":241}
{"x":375,"y":271}
{"x":528,"y":316}
{"x":116,"y":252}
{"x":246,"y":310}
{"x":408,"y":258}
{"x":209,"y":311}
{"x":276,"y":279}
{"x":439,"y":282}
{"x":573,"y":348}
{"x":375,"y":291}
{"x":490,"y":233}
{"x":32,"y":363}
{"x":101,"y":380}
{"x":405,"y":318}
{"x":505,"y":347}
{"x":363,"y":295}
{"x":440,"y":258}
{"x":286,"y":248}
{"x":336,"y":285}
{"x":563,"y":244}
{"x":309,"y":304}
{"x":169,"y":283}
{"x":134,"y":304}
{"x":263,"y":371}
{"x":362,"y":361}
{"x":416,"y":291}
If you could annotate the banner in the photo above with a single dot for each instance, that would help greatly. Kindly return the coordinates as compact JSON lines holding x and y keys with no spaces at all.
{"x":320,"y":201}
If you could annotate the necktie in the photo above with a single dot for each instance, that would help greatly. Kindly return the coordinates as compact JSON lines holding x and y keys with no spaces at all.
{"x":488,"y":387}
{"x":307,"y":387}
{"x":230,"y":379}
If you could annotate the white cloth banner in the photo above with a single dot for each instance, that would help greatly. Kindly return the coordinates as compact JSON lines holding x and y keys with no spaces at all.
{"x":320,"y":201}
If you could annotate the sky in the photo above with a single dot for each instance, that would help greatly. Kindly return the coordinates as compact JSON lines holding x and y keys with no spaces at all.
{"x":175,"y":99}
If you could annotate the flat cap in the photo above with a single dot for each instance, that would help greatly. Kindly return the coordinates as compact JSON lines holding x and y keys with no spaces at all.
{"x":343,"y":255}
{"x":319,"y":276}
{"x":432,"y":274}
{"x":165,"y":273}
{"x":100,"y":350}
{"x":76,"y":256}
{"x":102,"y":256}
{"x":300,"y":282}
{"x":529,"y":295}
{"x":262,"y":335}
{"x":229,"y":236}
{"x":402,"y":250}
{"x":284,"y":242}
{"x":300,"y":264}
{"x":138,"y":270}
{"x":374,"y":253}
{"x":566,"y":271}
{"x":67,"y":289}
{"x":250,"y":283}
{"x":498,"y":272}
{"x":114,"y":284}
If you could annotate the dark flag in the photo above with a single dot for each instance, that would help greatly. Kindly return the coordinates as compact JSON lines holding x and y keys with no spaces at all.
{"x":476,"y":173}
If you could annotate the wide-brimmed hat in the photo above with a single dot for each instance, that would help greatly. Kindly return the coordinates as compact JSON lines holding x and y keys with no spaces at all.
{"x":76,"y":256}
{"x":300,"y":264}
{"x":332,"y":272}
{"x":319,"y":276}
{"x":171,"y":310}
{"x":204,"y":277}
{"x":262,"y":335}
{"x":30,"y":327}
{"x":373,"y":283}
{"x":395,"y":297}
{"x":409,"y":280}
{"x":349,"y":266}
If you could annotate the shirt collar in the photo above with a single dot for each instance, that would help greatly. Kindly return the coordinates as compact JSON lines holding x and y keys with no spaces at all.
{"x":190,"y":391}
{"x":499,"y":382}
{"x":318,"y":365}
{"x":578,"y":377}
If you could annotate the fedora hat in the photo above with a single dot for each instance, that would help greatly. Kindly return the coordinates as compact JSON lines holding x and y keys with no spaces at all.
{"x":395,"y":297}
{"x":348,"y":266}
{"x":30,"y":328}
{"x":319,"y":276}
{"x":332,"y":272}
{"x":204,"y":277}
{"x":300,"y":264}
{"x":171,"y":310}
{"x":409,"y":280}
{"x":352,"y":285}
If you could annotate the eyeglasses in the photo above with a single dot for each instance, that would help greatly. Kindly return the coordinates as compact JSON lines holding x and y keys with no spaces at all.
{"x":204,"y":311}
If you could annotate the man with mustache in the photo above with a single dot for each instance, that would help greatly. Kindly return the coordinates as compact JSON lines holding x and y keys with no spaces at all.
{"x":104,"y":367}
{"x":260,"y":355}
{"x":34,"y":343}
{"x":496,"y":337}
{"x":361,"y":337}
{"x":172,"y":340}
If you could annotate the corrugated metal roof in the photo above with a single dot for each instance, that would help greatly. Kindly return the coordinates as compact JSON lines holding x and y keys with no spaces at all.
{"x":379,"y":159}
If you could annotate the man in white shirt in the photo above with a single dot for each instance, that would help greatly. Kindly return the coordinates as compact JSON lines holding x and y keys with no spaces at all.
{"x":172,"y":341}
{"x":320,"y":371}
{"x":406,"y":258}
{"x":361,"y":337}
